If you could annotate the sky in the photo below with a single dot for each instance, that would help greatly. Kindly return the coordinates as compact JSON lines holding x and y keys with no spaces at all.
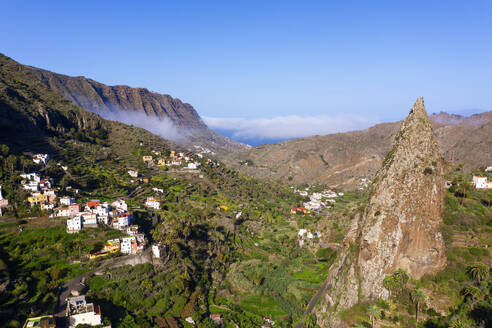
{"x":269,"y":70}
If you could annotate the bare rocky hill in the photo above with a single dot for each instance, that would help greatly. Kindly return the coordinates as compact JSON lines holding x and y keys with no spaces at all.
{"x":342,"y":159}
{"x":400,"y":225}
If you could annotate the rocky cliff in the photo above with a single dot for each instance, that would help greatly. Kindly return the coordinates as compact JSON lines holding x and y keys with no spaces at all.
{"x":103,"y":99}
{"x":94,"y":96}
{"x":399,"y":227}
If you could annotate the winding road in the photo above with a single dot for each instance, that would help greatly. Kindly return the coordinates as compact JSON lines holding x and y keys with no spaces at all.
{"x":312,"y":304}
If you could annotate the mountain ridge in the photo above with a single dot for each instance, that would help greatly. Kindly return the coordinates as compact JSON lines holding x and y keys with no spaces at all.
{"x":104,"y":99}
{"x":343,"y":159}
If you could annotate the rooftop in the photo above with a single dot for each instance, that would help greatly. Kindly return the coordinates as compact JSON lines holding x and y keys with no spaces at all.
{"x":78,"y":304}
{"x":43,"y":322}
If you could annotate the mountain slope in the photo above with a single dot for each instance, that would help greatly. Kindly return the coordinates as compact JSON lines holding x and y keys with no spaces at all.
{"x":95,"y":96}
{"x":344,"y":158}
{"x":43,"y":121}
{"x":112,"y":101}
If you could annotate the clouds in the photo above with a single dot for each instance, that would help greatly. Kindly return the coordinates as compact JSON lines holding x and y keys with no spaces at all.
{"x":286,"y":127}
{"x":160,"y":126}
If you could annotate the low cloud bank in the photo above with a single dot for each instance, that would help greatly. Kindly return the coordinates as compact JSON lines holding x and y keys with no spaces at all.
{"x":160,"y":126}
{"x":286,"y":127}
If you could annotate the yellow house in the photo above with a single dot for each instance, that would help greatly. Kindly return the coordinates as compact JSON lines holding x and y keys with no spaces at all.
{"x":147,"y":158}
{"x":224,"y":207}
{"x":97,"y":254}
{"x":112,"y":246}
{"x":37,"y":198}
{"x":161,"y":161}
{"x":172,"y":153}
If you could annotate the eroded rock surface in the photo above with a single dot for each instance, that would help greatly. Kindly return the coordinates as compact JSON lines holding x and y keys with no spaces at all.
{"x":399,"y":227}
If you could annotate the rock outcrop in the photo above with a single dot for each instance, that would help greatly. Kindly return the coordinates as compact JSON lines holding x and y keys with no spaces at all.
{"x":399,"y":227}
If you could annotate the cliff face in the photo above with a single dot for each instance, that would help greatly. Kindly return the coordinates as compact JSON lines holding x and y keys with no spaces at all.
{"x":399,"y":227}
{"x":103,"y":99}
{"x":96,"y":97}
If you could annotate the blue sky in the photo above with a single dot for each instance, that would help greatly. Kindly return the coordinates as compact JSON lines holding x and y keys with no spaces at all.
{"x":340,"y":63}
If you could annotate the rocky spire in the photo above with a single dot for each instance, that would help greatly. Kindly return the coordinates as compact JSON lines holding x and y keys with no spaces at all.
{"x":399,"y":227}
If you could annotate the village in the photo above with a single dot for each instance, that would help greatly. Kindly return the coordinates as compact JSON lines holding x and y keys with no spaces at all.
{"x":93,"y":214}
{"x":118,"y":215}
{"x":318,"y":201}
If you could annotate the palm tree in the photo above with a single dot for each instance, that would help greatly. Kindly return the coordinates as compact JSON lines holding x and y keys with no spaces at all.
{"x":418,"y":297}
{"x":390,"y":284}
{"x":458,"y":323}
{"x":401,"y":278}
{"x":471,"y":292}
{"x":374,"y":313}
{"x":479,"y":272}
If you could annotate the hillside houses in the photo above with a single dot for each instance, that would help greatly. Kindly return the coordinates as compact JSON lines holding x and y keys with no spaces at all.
{"x":41,"y":159}
{"x":67,"y":200}
{"x":79,"y":312}
{"x":95,"y":213}
{"x":122,"y":221}
{"x":158,"y":250}
{"x":3,"y":202}
{"x":481,"y":182}
{"x":126,"y":245}
{"x":317,"y":200}
{"x":40,"y":190}
{"x":305,"y":235}
{"x":133,"y":173}
{"x":45,"y":321}
{"x":147,"y":159}
{"x":119,"y":205}
{"x":152,"y":203}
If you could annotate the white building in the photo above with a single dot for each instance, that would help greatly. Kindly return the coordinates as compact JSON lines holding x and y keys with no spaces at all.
{"x":479,"y":182}
{"x":157,"y":250}
{"x":120,"y":205}
{"x":133,"y":174}
{"x":103,"y":219}
{"x":101,"y":210}
{"x":123,"y":220}
{"x":89,"y":220}
{"x":74,"y":224}
{"x":67,"y":200}
{"x":132,"y":230}
{"x":152,"y":203}
{"x":47,"y":207}
{"x":31,"y":176}
{"x":488,"y":169}
{"x":192,"y":166}
{"x":62,"y":211}
{"x":79,"y":312}
{"x":127,"y":245}
{"x":32,"y":186}
{"x":41,"y":158}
